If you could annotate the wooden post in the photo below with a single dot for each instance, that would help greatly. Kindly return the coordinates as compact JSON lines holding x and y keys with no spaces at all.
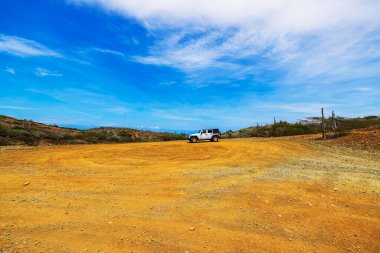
{"x":334,"y":127}
{"x":323,"y":125}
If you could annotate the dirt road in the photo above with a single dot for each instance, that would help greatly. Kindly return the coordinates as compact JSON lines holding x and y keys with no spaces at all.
{"x":238,"y":195}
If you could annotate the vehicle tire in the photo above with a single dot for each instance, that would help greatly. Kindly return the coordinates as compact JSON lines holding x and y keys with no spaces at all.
{"x":215,"y":138}
{"x":193,"y":139}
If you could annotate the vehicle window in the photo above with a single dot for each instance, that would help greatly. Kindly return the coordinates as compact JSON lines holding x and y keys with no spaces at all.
{"x":209,"y":131}
{"x":204,"y":131}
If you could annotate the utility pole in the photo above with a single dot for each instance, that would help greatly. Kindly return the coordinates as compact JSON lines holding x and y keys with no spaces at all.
{"x":323,"y":124}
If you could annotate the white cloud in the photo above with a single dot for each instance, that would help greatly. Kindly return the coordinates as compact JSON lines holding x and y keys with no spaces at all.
{"x":24,"y":47}
{"x":364,"y":88}
{"x":307,"y":39}
{"x":10,"y":70}
{"x":277,"y":15}
{"x":117,"y":109}
{"x":108,"y":51}
{"x":172,"y":115}
{"x":15,"y":107}
{"x":44,"y":72}
{"x":86,"y":99}
{"x":305,"y":108}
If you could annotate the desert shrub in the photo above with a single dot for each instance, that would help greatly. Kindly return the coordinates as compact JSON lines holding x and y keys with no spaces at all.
{"x":308,"y":126}
{"x":170,"y":137}
{"x":53,"y":137}
{"x":286,"y":129}
{"x":114,"y":139}
{"x":29,"y":139}
{"x":281,"y":128}
{"x":90,"y":137}
{"x":19,"y":128}
{"x":370,"y":117}
{"x":357,"y":123}
{"x":3,"y":131}
{"x":17,"y":123}
{"x":4,"y":141}
{"x":125,"y":133}
{"x":72,"y":142}
{"x":102,"y":136}
{"x":10,"y":132}
{"x":139,"y":139}
{"x":68,"y":137}
{"x":337,"y":134}
{"x":125,"y":136}
{"x":229,"y":134}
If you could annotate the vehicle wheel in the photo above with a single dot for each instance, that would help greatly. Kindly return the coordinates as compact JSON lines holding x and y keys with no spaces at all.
{"x":214,"y":138}
{"x":193,"y":139}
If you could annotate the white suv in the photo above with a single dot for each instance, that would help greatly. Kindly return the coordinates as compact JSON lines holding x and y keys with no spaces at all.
{"x":205,"y":134}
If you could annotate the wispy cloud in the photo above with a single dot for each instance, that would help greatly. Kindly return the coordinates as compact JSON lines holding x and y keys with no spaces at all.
{"x":305,"y":108}
{"x":307,"y":41}
{"x":44,"y":72}
{"x":24,"y":47}
{"x":117,"y":109}
{"x":85,"y":99}
{"x":10,"y":107}
{"x":176,"y":115}
{"x":364,"y":88}
{"x":10,"y":70}
{"x":108,"y":51}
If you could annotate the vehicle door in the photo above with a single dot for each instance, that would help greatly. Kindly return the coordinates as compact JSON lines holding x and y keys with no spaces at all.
{"x":203,"y":134}
{"x":209,"y":134}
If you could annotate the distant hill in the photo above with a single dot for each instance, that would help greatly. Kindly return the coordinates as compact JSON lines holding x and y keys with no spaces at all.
{"x":310,"y":125}
{"x":26,"y":132}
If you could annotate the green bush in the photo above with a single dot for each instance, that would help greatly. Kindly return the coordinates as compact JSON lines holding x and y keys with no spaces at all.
{"x":29,"y":139}
{"x":3,"y":131}
{"x":68,"y":137}
{"x":125,"y":136}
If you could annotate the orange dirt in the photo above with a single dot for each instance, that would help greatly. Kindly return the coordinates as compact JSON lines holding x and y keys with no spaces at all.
{"x":237,"y":195}
{"x":365,"y":139}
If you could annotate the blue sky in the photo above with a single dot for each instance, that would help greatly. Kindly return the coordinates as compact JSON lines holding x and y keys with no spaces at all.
{"x":187,"y":64}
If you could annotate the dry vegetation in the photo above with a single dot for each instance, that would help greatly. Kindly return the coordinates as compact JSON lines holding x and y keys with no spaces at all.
{"x":237,"y":195}
{"x":310,"y":125}
{"x":26,"y":132}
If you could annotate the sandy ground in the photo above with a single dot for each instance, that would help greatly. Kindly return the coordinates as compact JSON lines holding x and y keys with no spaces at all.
{"x":238,"y":195}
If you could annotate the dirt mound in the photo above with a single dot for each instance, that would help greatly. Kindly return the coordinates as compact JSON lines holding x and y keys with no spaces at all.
{"x":363,"y":139}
